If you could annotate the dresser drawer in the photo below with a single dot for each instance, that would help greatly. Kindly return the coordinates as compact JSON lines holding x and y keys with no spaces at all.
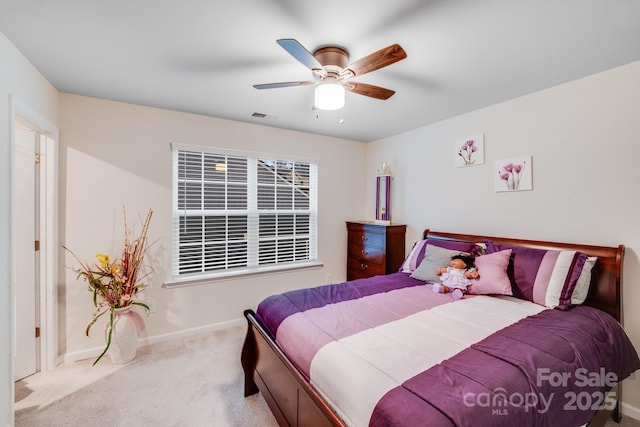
{"x":367,"y":238}
{"x":365,"y":267}
{"x":366,"y":253}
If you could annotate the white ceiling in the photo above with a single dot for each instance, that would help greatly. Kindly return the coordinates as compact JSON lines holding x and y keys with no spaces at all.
{"x":204,"y":56}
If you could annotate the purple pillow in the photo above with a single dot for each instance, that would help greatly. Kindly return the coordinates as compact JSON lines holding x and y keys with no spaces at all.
{"x":417,"y":252}
{"x":415,"y":257}
{"x":545,"y":277}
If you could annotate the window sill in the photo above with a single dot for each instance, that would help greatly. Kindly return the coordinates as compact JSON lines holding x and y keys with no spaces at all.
{"x":239,"y":274}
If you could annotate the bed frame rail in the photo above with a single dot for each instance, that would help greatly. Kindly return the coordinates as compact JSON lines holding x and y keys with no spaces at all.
{"x":292,"y":400}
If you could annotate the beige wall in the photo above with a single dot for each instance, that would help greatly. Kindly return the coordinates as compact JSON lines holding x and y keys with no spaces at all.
{"x":18,"y":81}
{"x":114,"y":154}
{"x":584,"y":139}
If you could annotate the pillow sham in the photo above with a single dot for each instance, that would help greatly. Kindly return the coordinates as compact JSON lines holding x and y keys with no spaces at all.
{"x":418,"y":251}
{"x":434,"y":257}
{"x":584,"y":281}
{"x":545,"y":277}
{"x":493,"y":279}
{"x":415,"y":257}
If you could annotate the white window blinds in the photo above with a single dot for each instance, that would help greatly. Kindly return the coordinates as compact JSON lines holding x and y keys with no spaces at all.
{"x":237,"y":212}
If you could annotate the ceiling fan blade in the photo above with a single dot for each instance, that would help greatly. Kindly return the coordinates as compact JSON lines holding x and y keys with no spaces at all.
{"x":369,"y":90}
{"x":283,"y":84}
{"x":376,"y":60}
{"x":300,"y":53}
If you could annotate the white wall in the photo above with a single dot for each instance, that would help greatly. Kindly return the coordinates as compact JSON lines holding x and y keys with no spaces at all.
{"x":584,"y":139}
{"x":114,"y":154}
{"x":19,"y":79}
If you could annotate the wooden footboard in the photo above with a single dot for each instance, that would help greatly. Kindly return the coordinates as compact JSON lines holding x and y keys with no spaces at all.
{"x":290,"y":397}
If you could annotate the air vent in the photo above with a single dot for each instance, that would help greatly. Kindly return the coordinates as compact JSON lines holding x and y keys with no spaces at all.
{"x":263,"y":116}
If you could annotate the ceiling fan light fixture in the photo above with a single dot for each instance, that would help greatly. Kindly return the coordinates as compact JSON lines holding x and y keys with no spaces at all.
{"x":329,"y":95}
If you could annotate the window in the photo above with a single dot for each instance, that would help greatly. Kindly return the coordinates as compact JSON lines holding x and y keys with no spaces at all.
{"x":239,"y":214}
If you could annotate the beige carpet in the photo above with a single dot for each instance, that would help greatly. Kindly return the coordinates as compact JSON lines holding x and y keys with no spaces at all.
{"x":195,"y":381}
{"x":624,"y":422}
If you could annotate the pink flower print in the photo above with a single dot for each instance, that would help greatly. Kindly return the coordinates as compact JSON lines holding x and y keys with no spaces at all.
{"x":467,"y":150}
{"x":510,"y":174}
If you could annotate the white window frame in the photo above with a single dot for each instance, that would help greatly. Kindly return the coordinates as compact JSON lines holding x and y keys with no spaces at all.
{"x":253,"y":268}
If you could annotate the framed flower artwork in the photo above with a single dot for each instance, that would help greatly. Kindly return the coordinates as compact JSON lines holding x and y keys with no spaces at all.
{"x":513,"y":174}
{"x":469,"y":151}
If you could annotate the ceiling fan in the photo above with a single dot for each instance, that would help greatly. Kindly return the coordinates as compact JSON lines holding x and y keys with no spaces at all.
{"x":332,"y":72}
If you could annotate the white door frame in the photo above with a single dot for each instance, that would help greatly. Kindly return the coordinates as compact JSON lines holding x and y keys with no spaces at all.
{"x":49,"y":247}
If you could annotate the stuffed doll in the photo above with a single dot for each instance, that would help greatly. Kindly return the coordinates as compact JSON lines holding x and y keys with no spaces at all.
{"x":455,"y":278}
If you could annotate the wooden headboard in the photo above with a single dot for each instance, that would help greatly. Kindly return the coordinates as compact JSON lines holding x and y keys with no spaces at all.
{"x":605,"y":292}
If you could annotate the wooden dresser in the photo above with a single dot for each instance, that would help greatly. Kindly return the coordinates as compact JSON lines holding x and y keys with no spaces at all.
{"x":374,"y":249}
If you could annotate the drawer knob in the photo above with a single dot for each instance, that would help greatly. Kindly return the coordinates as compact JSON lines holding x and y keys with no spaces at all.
{"x":364,"y":266}
{"x":364,"y":252}
{"x":363,"y":238}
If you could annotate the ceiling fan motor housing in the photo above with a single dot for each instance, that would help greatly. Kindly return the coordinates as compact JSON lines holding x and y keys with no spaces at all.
{"x":332,"y":56}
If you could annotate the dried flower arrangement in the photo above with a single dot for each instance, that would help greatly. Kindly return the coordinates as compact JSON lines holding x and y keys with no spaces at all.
{"x":115,"y":283}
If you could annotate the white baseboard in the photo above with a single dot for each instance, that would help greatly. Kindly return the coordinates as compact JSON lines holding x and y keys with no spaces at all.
{"x":94,"y":352}
{"x":630,"y":411}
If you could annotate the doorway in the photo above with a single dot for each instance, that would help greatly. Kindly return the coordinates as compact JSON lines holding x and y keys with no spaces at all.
{"x":27,"y":285}
{"x":34,"y":241}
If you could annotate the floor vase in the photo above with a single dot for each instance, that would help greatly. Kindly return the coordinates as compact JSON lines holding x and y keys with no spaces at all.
{"x":124,"y":336}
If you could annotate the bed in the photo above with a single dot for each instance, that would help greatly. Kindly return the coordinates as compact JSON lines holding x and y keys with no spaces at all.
{"x":536,"y":342}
